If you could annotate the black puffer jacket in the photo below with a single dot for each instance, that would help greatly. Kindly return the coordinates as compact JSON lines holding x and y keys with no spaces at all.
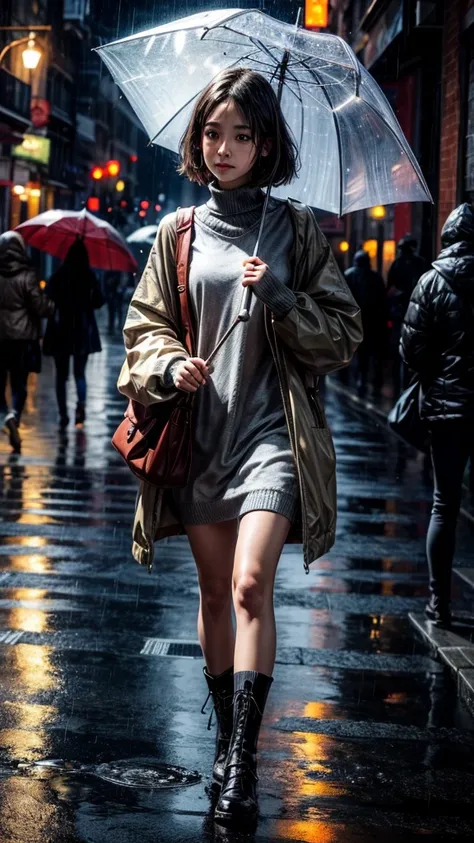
{"x":438,"y":333}
{"x":22,"y":304}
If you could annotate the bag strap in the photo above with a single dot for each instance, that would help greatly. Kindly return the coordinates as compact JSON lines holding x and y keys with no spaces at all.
{"x":184,"y":235}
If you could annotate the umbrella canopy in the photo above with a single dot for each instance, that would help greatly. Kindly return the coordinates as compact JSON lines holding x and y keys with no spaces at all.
{"x":55,"y":231}
{"x":144,"y":236}
{"x":353,"y":152}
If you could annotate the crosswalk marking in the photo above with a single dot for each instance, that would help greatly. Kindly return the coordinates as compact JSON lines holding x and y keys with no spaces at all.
{"x":8,"y":636}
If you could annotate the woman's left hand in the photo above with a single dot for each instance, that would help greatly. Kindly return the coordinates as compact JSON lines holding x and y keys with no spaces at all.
{"x":254,"y":270}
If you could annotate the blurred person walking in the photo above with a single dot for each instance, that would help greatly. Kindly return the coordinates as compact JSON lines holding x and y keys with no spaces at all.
{"x":72,"y":331}
{"x":403,"y":276}
{"x":368,"y":289}
{"x":438,"y":343}
{"x":114,"y":286}
{"x":22,"y":305}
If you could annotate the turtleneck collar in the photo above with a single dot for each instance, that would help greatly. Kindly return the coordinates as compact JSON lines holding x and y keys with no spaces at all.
{"x":239,"y":200}
{"x":231,"y":213}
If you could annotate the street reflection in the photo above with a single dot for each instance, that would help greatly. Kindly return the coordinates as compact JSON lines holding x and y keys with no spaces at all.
{"x":34,"y":564}
{"x":307,"y":831}
{"x":29,"y":620}
{"x":29,"y":805}
{"x":33,"y":670}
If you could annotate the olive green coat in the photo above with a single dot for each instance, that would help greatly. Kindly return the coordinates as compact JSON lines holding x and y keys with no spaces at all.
{"x":319,"y":335}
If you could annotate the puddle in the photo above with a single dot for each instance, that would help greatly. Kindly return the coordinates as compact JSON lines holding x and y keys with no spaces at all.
{"x":134,"y":772}
{"x":150,"y":776}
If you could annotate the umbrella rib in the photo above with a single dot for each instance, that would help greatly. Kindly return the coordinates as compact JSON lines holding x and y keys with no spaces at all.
{"x":292,"y":51}
{"x":353,"y":60}
{"x":338,"y":138}
{"x":408,"y":152}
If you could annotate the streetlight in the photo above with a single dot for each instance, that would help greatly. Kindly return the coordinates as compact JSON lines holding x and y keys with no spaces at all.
{"x":32,"y":54}
{"x":378,"y":213}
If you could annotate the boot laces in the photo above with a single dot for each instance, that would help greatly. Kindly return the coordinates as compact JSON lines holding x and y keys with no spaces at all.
{"x":222,"y":698}
{"x":248,"y":697}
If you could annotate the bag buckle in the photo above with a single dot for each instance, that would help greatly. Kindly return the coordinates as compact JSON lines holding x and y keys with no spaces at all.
{"x":131,"y":432}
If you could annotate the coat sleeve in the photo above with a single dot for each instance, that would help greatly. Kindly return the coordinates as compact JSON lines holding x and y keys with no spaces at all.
{"x":324,"y":327}
{"x":37,"y":302}
{"x":417,"y":338}
{"x":152,"y":333}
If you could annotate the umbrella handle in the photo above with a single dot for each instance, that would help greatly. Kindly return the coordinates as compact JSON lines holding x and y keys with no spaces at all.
{"x":244,"y":314}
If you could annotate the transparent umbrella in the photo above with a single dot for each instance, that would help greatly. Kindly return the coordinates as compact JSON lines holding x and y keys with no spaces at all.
{"x":353,"y":152}
{"x":144,"y":236}
{"x":352,"y":149}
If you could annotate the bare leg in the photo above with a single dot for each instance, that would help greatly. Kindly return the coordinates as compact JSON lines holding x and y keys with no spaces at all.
{"x":262,"y":536}
{"x":213,"y":547}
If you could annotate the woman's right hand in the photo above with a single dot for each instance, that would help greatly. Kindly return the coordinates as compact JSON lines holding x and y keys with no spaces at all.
{"x":190,"y":374}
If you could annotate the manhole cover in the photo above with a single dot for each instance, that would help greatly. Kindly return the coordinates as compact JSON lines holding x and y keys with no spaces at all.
{"x":141,"y":774}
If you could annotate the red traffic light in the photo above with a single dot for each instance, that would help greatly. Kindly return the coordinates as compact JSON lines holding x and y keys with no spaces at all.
{"x":123,"y":203}
{"x":97,"y":173}
{"x":142,"y":214}
{"x":144,"y":204}
{"x":133,"y":158}
{"x":93,"y":204}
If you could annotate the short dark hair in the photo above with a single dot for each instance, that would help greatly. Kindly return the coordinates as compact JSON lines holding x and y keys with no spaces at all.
{"x":257,"y":101}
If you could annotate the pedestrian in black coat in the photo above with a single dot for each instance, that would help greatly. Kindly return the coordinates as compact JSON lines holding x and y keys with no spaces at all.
{"x":72,"y":331}
{"x":438,"y":343}
{"x":403,"y":276}
{"x":22,"y":305}
{"x":368,"y":289}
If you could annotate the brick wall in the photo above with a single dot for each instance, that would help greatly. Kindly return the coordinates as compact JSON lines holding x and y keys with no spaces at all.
{"x":450,"y":109}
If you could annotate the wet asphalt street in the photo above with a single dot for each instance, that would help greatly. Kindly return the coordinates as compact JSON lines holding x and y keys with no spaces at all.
{"x":364,"y":739}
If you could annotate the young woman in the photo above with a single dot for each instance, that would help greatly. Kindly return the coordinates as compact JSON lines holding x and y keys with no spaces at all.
{"x":437,"y":342}
{"x":72,"y":331}
{"x":263,"y":462}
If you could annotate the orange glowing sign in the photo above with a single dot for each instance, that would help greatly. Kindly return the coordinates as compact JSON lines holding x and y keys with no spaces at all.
{"x":316,"y":14}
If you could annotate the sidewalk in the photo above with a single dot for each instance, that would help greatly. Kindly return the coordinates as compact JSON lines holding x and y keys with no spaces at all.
{"x":455,"y":647}
{"x":364,"y":738}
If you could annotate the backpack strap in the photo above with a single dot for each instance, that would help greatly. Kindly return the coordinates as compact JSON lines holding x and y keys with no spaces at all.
{"x":184,"y":235}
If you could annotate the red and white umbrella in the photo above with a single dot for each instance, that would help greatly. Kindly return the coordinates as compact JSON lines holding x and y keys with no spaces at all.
{"x":55,"y":231}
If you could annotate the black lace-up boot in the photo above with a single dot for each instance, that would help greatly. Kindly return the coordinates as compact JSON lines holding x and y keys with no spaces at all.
{"x":238,"y":798}
{"x":221,"y":689}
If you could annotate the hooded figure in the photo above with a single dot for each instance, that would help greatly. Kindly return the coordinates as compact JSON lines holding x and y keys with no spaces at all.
{"x":437,"y":342}
{"x":22,"y":305}
{"x":405,"y":272}
{"x":368,"y":289}
{"x":73,"y":332}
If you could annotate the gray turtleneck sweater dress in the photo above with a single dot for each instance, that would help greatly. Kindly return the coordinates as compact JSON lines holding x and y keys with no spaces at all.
{"x":242,"y":458}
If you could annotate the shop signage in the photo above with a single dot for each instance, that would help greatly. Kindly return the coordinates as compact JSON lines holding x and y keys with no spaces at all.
{"x":33,"y":148}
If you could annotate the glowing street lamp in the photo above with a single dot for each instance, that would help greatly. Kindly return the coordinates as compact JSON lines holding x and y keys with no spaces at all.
{"x":378,"y":212}
{"x":31,"y":56}
{"x":32,"y":53}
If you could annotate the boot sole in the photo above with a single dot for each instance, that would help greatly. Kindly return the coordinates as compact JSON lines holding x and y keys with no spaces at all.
{"x":223,"y":818}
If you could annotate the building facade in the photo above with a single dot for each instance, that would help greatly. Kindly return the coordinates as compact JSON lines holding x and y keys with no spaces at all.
{"x":422,"y":54}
